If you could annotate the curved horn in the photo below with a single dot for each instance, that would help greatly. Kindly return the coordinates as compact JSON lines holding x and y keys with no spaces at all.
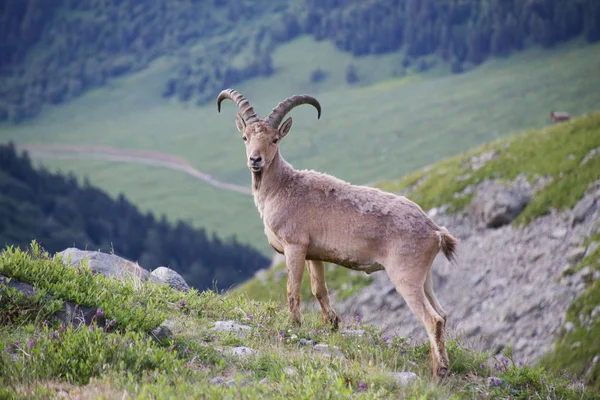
{"x":246,"y":110}
{"x":279,"y":112}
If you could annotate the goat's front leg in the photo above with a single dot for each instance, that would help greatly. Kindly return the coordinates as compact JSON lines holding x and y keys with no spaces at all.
{"x":294,"y":260}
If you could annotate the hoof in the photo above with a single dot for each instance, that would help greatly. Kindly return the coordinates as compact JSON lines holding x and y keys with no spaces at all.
{"x":335,"y":322}
{"x":441,"y":373}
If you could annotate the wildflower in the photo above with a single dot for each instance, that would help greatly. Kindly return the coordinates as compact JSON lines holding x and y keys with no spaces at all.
{"x":8,"y":348}
{"x":112,"y":322}
{"x":482,"y":365}
{"x":182,"y":303}
{"x":16,"y":344}
{"x":187,"y":350}
{"x":99,"y":312}
{"x":250,"y":316}
{"x":31,"y":344}
{"x":53,"y":335}
{"x":385,"y":338}
{"x":63,"y":328}
{"x":282,"y":335}
{"x":543,"y":380}
{"x":362,"y":385}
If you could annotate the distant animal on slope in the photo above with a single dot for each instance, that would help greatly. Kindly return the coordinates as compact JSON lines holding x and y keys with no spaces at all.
{"x":559,"y":116}
{"x":315,"y":217}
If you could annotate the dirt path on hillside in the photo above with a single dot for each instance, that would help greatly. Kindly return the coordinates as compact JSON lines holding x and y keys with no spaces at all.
{"x":144,"y":157}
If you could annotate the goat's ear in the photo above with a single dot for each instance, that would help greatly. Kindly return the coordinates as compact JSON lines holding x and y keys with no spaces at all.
{"x":284,"y":129}
{"x":240,"y":123}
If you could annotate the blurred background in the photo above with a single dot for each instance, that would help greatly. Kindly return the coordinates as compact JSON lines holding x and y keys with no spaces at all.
{"x":114,"y":101}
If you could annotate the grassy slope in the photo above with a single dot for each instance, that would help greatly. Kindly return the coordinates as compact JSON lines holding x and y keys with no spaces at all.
{"x":392,"y":127}
{"x":39,"y":358}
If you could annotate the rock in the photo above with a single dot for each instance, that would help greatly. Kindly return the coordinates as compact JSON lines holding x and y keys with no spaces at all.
{"x":217,"y":380}
{"x":353,"y":332}
{"x":231,"y":326}
{"x":69,"y":314}
{"x":568,"y":327}
{"x":290,"y":371}
{"x":575,"y":254}
{"x":324,"y":348}
{"x":559,"y":233}
{"x":584,"y":207}
{"x":306,"y":342}
{"x":497,"y":205}
{"x":241,"y":351}
{"x":405,"y":378}
{"x":171,"y":277}
{"x":162,"y":332}
{"x":595,"y":312}
{"x":264,"y":381}
{"x":107,"y":264}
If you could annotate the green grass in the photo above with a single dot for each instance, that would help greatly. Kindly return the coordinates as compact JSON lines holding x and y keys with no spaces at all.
{"x":382,"y":130}
{"x":341,"y":282}
{"x":555,"y":152}
{"x":39,"y":360}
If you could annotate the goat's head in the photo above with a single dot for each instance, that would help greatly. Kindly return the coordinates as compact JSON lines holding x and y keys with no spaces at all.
{"x":262,"y":136}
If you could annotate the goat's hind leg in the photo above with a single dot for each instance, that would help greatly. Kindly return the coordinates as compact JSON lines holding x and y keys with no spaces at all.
{"x":409,"y":281}
{"x":432,"y":297}
{"x":316,"y":269}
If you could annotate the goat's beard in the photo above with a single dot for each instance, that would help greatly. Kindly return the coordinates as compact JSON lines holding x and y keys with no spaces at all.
{"x":256,"y":179}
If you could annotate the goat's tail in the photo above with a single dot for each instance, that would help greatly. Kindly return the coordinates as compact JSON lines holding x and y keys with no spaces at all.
{"x":449,"y":244}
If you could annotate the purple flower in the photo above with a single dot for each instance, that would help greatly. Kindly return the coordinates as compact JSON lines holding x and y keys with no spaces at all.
{"x":31,"y":344}
{"x":362,"y":385}
{"x":63,"y":328}
{"x":543,"y":380}
{"x":282,"y":334}
{"x":385,"y":338}
{"x":99,"y":312}
{"x":182,"y":303}
{"x":53,"y":335}
{"x":250,"y":317}
{"x":8,"y":348}
{"x":187,"y":350}
{"x":16,"y":344}
{"x":92,"y":327}
{"x":482,"y":365}
{"x":112,"y":322}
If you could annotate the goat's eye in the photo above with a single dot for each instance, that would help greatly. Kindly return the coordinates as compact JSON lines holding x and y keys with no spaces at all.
{"x":275,"y":141}
{"x":245,"y":138}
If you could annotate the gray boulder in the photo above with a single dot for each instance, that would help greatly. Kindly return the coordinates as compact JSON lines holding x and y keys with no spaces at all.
{"x":496,"y":205}
{"x":171,"y":277}
{"x":584,"y":207}
{"x":107,"y":264}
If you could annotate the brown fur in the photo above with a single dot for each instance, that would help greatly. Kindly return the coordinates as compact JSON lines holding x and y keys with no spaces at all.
{"x":315,"y":217}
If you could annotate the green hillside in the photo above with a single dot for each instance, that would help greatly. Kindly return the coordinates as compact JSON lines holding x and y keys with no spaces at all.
{"x":41,"y":358}
{"x":392,"y":127}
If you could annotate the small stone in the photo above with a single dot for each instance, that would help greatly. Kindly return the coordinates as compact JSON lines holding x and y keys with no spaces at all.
{"x":172,"y":278}
{"x":290,"y":371}
{"x":217,"y":380}
{"x":161,"y":332}
{"x":231,"y":326}
{"x":230,"y":382}
{"x":353,"y":332}
{"x":575,"y":254}
{"x":241,"y":351}
{"x":405,"y":378}
{"x":559,"y":233}
{"x":306,"y":342}
{"x":595,"y":312}
{"x":324,"y":348}
{"x":264,"y":381}
{"x":568,"y":327}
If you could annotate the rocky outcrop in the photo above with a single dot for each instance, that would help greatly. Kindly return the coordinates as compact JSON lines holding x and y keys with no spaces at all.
{"x":496,"y":204}
{"x":508,"y":286}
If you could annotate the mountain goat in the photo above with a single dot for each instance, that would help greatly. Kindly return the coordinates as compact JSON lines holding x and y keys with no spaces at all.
{"x":315,"y":217}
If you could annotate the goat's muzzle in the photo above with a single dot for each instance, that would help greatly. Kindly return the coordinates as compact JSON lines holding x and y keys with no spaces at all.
{"x":255,"y":163}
